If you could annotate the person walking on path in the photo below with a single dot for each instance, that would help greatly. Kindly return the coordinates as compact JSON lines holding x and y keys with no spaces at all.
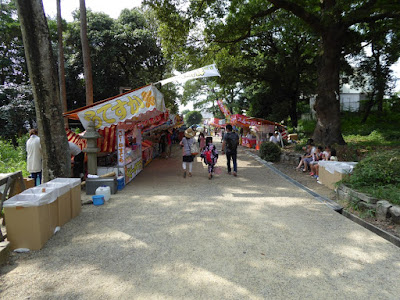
{"x":34,"y":156}
{"x":229,"y":146}
{"x":202,"y":141}
{"x":210,"y":156}
{"x":79,"y":158}
{"x":186,"y":145}
{"x":169,"y":143}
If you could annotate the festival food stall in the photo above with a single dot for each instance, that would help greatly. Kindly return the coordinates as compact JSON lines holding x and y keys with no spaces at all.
{"x":260,"y":127}
{"x":120,"y":121}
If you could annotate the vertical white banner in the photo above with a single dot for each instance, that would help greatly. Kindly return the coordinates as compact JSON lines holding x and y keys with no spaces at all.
{"x":121,"y":147}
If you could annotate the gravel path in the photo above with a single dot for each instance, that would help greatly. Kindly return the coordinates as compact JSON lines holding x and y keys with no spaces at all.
{"x":255,"y":236}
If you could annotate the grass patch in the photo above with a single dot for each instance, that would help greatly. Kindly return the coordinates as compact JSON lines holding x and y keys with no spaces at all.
{"x":13,"y":159}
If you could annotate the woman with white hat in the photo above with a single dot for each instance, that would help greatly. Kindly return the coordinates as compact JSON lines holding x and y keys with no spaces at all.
{"x":186,"y":144}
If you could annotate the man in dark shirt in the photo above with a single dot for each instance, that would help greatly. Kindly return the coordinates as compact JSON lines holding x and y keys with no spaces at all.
{"x":229,"y":147}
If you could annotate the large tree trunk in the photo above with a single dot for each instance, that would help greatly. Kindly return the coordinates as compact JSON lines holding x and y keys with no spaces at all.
{"x":61,"y":68}
{"x":327,"y":103}
{"x":293,"y":110}
{"x":43,"y":76}
{"x":86,"y":54}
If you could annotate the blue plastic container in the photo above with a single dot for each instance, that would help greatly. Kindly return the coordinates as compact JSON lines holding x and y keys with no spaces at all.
{"x":120,"y":183}
{"x":98,"y":200}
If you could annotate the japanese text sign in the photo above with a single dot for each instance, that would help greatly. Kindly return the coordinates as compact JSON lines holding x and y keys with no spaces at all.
{"x":121,"y":146}
{"x":147,"y":101}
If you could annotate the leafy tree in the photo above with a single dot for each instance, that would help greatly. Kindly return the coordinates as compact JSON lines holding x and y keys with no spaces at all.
{"x":12,"y":58}
{"x":331,"y":20}
{"x":17,"y":111}
{"x":16,"y":100}
{"x":185,"y":111}
{"x":193,"y":117}
{"x":373,"y":73}
{"x":126,"y":53}
{"x":43,"y":75}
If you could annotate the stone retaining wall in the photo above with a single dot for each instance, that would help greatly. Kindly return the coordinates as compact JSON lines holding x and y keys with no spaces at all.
{"x":290,"y":157}
{"x":383,"y":209}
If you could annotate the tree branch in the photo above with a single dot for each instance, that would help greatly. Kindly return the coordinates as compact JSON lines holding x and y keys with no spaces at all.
{"x":258,"y":15}
{"x":299,"y":11}
{"x":372,"y":19}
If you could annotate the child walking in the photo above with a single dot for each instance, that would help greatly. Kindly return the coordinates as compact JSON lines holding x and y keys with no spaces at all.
{"x":210,"y":156}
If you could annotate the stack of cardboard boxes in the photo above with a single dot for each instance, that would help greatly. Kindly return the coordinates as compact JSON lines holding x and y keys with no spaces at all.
{"x":33,"y":215}
{"x":331,"y":172}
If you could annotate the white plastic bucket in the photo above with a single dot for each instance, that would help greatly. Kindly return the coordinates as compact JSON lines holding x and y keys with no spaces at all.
{"x":105,"y":191}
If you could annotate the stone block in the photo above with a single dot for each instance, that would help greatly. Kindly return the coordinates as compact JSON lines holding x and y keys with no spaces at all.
{"x":367,"y":198}
{"x":344,"y":188}
{"x":395,"y":214}
{"x":366,"y":205}
{"x":382,"y":210}
{"x":342,"y":195}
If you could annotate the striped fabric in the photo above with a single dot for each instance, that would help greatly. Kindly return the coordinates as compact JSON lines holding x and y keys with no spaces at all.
{"x":284,"y":134}
{"x":106,"y":143}
{"x":108,"y":140}
{"x":76,"y":139}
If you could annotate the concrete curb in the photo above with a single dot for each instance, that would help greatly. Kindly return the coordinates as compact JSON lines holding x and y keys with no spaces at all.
{"x":331,"y":204}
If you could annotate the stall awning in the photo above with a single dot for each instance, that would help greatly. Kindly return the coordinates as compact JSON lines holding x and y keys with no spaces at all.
{"x":244,"y":121}
{"x":137,"y":105}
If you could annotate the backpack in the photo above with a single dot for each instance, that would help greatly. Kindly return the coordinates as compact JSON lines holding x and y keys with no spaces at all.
{"x":207,"y":156}
{"x":231,"y":142}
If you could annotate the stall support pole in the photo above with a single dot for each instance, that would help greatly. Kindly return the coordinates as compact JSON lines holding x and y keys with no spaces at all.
{"x":91,"y":135}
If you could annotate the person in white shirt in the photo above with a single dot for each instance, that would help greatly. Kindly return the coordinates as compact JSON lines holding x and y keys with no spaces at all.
{"x":272,"y":138}
{"x":278,"y":136}
{"x":34,"y":156}
{"x":79,"y":157}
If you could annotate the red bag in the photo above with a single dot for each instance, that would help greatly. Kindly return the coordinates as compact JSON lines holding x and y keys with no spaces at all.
{"x":208,"y":157}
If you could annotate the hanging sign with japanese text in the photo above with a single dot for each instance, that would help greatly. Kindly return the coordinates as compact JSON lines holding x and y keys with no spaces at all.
{"x":138,"y":105}
{"x":121,"y":147}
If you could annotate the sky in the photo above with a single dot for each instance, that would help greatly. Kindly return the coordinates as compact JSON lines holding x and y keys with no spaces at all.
{"x":111,"y":8}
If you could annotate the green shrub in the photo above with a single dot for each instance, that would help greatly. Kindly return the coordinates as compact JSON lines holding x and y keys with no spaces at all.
{"x":380,"y":168}
{"x":379,"y":175}
{"x":270,"y":151}
{"x":13,"y":159}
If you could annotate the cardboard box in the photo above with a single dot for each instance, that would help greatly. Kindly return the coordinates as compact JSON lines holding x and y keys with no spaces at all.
{"x":27,"y":227}
{"x":64,"y":208}
{"x":51,"y":202}
{"x":63,"y":192}
{"x":76,"y":201}
{"x":328,"y":179}
{"x":331,"y":172}
{"x":29,"y":183}
{"x":75,"y":187}
{"x":53,"y":216}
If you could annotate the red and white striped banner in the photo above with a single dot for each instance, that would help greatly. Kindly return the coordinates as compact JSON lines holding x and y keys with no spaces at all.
{"x":106,"y":143}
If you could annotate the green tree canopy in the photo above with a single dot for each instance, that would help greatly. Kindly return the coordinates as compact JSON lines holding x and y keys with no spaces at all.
{"x":193,"y":117}
{"x":329,"y":27}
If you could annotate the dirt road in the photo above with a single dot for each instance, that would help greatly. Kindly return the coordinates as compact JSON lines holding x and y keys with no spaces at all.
{"x":256,"y":236}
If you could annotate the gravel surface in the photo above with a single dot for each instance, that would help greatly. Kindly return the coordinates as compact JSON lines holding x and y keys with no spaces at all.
{"x":255,"y":236}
